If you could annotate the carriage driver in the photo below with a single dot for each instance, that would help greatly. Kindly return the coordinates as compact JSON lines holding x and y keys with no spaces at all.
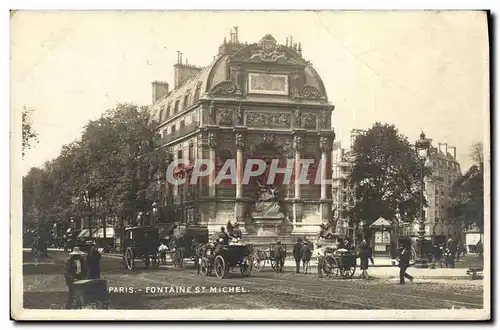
{"x":224,"y":236}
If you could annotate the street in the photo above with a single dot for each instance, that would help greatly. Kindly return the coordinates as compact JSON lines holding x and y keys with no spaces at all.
{"x":44,"y":288}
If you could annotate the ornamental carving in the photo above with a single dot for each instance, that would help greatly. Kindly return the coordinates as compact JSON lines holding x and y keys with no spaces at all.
{"x":225,"y":117}
{"x":286,"y":145}
{"x":297,"y":117}
{"x":239,"y":115}
{"x":324,"y":119}
{"x":211,"y":113}
{"x":212,"y":140}
{"x":268,"y":138}
{"x":268,"y":51}
{"x":310,"y":93}
{"x":325,"y":144}
{"x":240,"y":141}
{"x":298,"y":143}
{"x":225,"y":87}
{"x":309,"y":121}
{"x":262,"y":119}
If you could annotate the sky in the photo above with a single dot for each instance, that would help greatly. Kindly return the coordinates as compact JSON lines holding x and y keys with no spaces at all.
{"x":422,"y":71}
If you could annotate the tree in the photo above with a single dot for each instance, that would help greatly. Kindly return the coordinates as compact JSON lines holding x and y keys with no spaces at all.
{"x":28,"y":133}
{"x":467,"y":196}
{"x":110,"y":173}
{"x":386,"y":176}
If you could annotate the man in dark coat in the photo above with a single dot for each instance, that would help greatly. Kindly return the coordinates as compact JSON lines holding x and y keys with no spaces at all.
{"x":364,"y":256}
{"x":74,"y":270}
{"x":297,"y":255}
{"x":306,"y":257}
{"x":224,"y":236}
{"x":404,"y":263}
{"x":93,"y":263}
{"x":279,"y":256}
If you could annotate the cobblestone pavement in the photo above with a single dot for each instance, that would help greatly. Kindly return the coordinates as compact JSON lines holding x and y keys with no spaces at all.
{"x":44,"y":288}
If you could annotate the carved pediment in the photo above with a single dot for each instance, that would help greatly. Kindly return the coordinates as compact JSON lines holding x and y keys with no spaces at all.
{"x":224,"y":88}
{"x":310,"y":93}
{"x":267,"y":50}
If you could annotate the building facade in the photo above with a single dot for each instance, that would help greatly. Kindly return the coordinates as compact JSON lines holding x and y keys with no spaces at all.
{"x":260,"y":100}
{"x":445,"y":171}
{"x":438,"y":187}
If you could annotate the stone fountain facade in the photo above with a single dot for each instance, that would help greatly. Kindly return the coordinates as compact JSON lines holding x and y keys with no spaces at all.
{"x":261,"y":99}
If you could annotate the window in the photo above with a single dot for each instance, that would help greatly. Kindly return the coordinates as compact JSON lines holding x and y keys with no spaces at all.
{"x":162,"y":113}
{"x":197,"y":93}
{"x":179,"y":154}
{"x":165,"y":132}
{"x":186,"y":99}
{"x":191,"y":153}
{"x":436,"y":214}
{"x":173,"y":129}
{"x":169,"y":106}
{"x":182,"y":124}
{"x":176,"y":107}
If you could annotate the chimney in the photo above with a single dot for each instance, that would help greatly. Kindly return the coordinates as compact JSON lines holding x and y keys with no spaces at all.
{"x":291,"y":41}
{"x":454,"y":151}
{"x":235,"y":34}
{"x":445,"y":148}
{"x":183,"y":71}
{"x":160,"y":89}
{"x":286,"y":45}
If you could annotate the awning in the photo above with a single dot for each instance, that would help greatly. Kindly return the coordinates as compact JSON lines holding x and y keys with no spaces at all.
{"x":472,"y":239}
{"x":99,"y":233}
{"x":84,"y":233}
{"x":381,"y":222}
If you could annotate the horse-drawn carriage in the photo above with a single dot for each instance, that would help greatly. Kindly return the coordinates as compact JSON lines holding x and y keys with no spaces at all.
{"x":221,"y":259}
{"x":261,"y":257}
{"x":186,"y":242}
{"x":140,"y":244}
{"x":337,"y":262}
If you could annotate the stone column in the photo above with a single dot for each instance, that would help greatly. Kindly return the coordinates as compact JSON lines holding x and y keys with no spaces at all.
{"x":212,"y":144}
{"x":240,"y":144}
{"x":239,"y":205}
{"x":326,"y":202}
{"x":298,"y":145}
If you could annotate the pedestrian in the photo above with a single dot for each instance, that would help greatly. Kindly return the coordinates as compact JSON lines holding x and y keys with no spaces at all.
{"x":279,"y":256}
{"x":162,"y":249}
{"x":297,"y":255}
{"x":74,"y":270}
{"x":306,"y":257}
{"x":93,"y":263}
{"x":364,"y":256}
{"x":404,"y":263}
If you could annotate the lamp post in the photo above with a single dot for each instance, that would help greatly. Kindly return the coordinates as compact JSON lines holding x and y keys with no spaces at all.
{"x":155,"y":212}
{"x":422,"y":148}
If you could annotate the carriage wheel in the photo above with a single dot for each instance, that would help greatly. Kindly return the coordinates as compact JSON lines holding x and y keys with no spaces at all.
{"x":129,"y":259}
{"x":348,"y":271}
{"x":205,"y":267}
{"x":330,"y":266}
{"x":220,"y":267}
{"x":259,"y":260}
{"x":178,"y":258}
{"x":246,"y":267}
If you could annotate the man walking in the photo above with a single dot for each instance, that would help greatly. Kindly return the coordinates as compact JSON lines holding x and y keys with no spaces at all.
{"x":306,"y":257}
{"x":297,"y":255}
{"x":74,"y":270}
{"x":279,"y":256}
{"x":94,"y":263}
{"x":404,"y":263}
